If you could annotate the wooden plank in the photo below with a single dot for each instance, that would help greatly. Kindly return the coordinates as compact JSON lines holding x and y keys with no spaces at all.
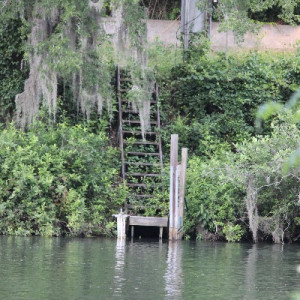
{"x":142,"y":196}
{"x":139,"y":132}
{"x":143,"y":153}
{"x":126,"y":79}
{"x":133,"y":206}
{"x":148,"y":221}
{"x":128,"y":101}
{"x":138,"y":185}
{"x":130,"y":111}
{"x":141,"y":164}
{"x":138,"y":122}
{"x":144,"y":143}
{"x":143,"y":174}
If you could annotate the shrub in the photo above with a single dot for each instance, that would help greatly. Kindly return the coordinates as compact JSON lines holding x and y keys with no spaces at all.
{"x":233,"y":233}
{"x":213,"y":101}
{"x":248,"y":189}
{"x":58,"y":180}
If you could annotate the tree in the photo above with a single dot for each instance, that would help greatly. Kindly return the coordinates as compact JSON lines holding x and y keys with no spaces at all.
{"x":67,"y":45}
{"x":234,"y":14}
{"x":270,"y":109}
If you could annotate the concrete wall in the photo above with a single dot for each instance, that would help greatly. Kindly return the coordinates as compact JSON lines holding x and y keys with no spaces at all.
{"x":271,"y":37}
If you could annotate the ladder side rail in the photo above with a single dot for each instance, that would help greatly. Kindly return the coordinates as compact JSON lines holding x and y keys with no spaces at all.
{"x":121,"y":121}
{"x":158,"y":126}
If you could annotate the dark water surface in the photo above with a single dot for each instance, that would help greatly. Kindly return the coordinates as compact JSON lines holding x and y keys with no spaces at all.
{"x":92,"y":268}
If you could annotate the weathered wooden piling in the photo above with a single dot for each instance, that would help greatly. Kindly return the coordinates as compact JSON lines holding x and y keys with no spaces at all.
{"x":173,"y":184}
{"x":184,"y":156}
{"x":121,"y":224}
{"x":177,"y":189}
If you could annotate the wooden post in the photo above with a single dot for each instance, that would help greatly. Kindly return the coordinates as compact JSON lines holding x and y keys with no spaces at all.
{"x":184,"y":156}
{"x":160,"y":232}
{"x":121,"y":224}
{"x":173,"y":168}
{"x":176,"y":216}
{"x":132,"y":231}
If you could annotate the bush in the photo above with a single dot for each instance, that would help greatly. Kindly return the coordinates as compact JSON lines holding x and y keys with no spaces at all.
{"x":57,"y":180}
{"x":212,"y":100}
{"x":211,"y":201}
{"x":233,"y":233}
{"x":247,"y":191}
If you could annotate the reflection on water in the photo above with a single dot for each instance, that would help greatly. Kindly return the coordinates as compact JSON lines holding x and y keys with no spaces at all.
{"x":37,"y":268}
{"x":173,"y":277}
{"x":250,"y":272}
{"x":119,"y":277}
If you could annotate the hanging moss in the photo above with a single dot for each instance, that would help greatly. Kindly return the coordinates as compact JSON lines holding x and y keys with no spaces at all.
{"x":63,"y":45}
{"x":66,"y":44}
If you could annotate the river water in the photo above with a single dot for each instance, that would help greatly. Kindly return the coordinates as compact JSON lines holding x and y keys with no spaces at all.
{"x":94,"y":268}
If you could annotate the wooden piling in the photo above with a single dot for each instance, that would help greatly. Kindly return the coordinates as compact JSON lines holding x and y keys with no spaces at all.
{"x":160,"y":232}
{"x":121,"y":224}
{"x":176,"y":216}
{"x":184,"y":156}
{"x":173,"y":169}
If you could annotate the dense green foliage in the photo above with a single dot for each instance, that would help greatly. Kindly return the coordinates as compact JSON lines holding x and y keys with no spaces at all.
{"x":243,"y":182}
{"x":228,"y":182}
{"x":58,"y":180}
{"x":11,"y":75}
{"x":212,"y":101}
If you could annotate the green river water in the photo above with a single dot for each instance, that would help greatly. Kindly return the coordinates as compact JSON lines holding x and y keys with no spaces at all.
{"x":94,"y":268}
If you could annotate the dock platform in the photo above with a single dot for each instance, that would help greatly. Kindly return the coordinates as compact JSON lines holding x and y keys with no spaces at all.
{"x":160,"y":222}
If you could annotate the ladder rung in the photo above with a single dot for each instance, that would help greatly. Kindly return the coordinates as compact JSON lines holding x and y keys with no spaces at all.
{"x":139,"y":132}
{"x":141,"y":163}
{"x":151,"y":101}
{"x":143,"y":153}
{"x":129,"y":111}
{"x":132,"y":206}
{"x":141,"y":196}
{"x":137,"y":184}
{"x":137,"y":122}
{"x":143,"y":174}
{"x":145,"y":143}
